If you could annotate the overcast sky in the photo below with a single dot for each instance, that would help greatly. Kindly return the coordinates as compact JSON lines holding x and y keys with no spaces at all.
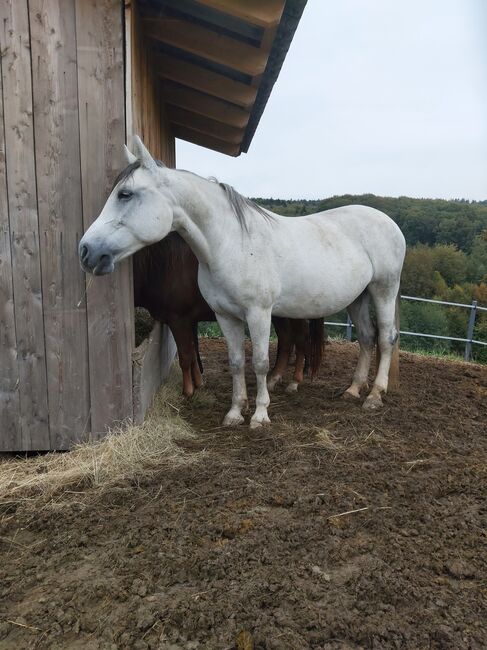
{"x":381,"y":96}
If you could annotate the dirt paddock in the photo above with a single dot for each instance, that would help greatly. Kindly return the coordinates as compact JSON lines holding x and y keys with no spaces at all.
{"x":334,"y":528}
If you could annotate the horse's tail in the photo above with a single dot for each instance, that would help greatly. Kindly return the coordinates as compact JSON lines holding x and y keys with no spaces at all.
{"x":316,"y":342}
{"x":197,"y":346}
{"x":394,"y":369}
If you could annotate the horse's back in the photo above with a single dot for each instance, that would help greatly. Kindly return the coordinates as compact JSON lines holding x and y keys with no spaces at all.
{"x":353,"y":230}
{"x":328,"y":259}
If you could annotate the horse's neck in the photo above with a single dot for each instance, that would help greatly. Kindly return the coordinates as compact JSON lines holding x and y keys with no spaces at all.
{"x":204,"y":217}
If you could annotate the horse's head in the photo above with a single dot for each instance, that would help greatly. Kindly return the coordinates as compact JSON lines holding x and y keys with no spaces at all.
{"x":137,"y":213}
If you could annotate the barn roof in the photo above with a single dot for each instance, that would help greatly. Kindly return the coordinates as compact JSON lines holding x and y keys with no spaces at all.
{"x":217,"y":61}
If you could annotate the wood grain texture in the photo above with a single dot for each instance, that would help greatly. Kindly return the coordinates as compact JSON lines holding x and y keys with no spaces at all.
{"x":182,"y":117}
{"x":55,"y":90}
{"x":212,"y":107}
{"x":9,"y":371}
{"x":99,"y":32}
{"x":207,"y":141}
{"x":24,"y":230}
{"x":257,"y":12}
{"x":206,"y":81}
{"x":208,"y":44}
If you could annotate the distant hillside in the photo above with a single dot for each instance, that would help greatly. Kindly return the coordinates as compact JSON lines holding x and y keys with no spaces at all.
{"x":423,"y":221}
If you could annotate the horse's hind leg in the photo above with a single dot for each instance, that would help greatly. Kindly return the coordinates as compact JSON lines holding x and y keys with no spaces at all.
{"x":299,"y":329}
{"x":359,"y":312}
{"x":196,"y":365}
{"x":183,"y":335}
{"x":284,"y":347}
{"x":234,"y":333}
{"x":385,"y":306}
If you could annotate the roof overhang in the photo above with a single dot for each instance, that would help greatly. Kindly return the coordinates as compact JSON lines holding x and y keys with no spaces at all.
{"x":217,"y":61}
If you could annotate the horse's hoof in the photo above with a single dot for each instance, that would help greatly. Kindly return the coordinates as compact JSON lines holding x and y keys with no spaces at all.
{"x":292,"y":387}
{"x":372,"y":403}
{"x":351,"y":395}
{"x":257,"y":423}
{"x":272,"y":383}
{"x":232,"y":420}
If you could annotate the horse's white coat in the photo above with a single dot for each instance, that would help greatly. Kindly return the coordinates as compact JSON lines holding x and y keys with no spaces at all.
{"x":305,"y":267}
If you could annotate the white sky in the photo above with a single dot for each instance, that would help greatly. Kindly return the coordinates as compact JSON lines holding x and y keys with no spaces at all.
{"x":381,"y":96}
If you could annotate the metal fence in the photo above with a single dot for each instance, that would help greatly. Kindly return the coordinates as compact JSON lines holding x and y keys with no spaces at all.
{"x":469,"y":341}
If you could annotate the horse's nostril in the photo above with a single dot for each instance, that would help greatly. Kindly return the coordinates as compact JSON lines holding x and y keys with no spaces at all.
{"x":84,"y":253}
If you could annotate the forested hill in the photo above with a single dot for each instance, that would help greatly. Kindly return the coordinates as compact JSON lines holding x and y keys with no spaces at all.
{"x":423,"y":221}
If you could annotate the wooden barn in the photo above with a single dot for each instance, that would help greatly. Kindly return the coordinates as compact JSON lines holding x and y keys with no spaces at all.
{"x":78,"y":77}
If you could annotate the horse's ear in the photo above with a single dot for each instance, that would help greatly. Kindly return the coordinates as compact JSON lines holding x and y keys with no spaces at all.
{"x":143,"y":155}
{"x":129,"y":156}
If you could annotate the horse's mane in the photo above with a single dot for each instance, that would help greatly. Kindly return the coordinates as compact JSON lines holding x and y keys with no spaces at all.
{"x":240,"y":204}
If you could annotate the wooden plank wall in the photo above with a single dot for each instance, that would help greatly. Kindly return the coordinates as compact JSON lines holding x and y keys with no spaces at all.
{"x":9,"y":370}
{"x":99,"y":29}
{"x":60,"y":213}
{"x":65,"y":358}
{"x":33,"y":419}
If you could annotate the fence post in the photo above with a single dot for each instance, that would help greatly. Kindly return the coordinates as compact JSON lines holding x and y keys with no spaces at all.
{"x":471,"y":325}
{"x":349,"y":328}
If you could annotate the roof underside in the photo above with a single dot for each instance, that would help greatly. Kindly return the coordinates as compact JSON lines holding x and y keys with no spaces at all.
{"x":217,"y":61}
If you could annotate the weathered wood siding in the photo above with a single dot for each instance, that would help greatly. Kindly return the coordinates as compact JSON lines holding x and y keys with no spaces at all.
{"x":65,"y":357}
{"x":60,"y":214}
{"x":99,"y":29}
{"x":33,"y":420}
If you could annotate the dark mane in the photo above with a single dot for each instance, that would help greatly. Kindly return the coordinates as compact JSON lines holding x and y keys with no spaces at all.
{"x":239,"y":203}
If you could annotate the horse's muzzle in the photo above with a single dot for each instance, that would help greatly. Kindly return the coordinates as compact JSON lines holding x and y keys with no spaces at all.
{"x":95,"y":260}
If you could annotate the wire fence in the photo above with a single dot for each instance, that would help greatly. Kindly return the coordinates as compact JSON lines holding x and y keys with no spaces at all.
{"x":469,"y":340}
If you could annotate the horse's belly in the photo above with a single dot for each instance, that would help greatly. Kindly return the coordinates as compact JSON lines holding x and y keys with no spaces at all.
{"x":314,"y":306}
{"x":320,"y":290}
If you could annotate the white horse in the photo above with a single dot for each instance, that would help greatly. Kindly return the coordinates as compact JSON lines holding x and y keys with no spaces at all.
{"x":253,"y":263}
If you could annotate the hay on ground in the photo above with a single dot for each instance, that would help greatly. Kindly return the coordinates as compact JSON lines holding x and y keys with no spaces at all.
{"x":126,"y":455}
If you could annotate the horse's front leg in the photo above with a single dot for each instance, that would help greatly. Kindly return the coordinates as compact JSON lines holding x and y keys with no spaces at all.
{"x":234,"y":333}
{"x":259,"y":322}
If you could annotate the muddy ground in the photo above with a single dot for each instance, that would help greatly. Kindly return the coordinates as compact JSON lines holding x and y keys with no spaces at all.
{"x":334,"y":528}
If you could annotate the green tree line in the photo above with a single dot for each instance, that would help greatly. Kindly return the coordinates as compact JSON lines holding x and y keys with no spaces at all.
{"x":446,"y":260}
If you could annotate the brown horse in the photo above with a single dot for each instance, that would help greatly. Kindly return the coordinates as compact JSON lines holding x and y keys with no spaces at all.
{"x":166,"y":284}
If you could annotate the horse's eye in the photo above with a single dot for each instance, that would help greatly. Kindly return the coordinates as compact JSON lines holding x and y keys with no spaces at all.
{"x":125,"y":195}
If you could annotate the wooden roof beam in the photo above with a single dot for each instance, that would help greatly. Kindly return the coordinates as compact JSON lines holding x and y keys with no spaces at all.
{"x":207,"y":44}
{"x":182,"y":117}
{"x":207,"y":141}
{"x":206,"y":81}
{"x":258,"y":12}
{"x":202,"y":104}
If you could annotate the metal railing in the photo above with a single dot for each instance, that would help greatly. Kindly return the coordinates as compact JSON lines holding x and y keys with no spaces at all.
{"x":469,"y":341}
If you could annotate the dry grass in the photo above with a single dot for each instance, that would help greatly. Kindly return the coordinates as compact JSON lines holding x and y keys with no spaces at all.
{"x":126,"y":455}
